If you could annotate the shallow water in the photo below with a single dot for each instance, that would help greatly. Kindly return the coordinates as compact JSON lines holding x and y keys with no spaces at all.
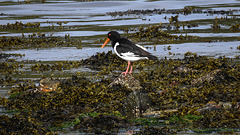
{"x":90,"y":16}
{"x":57,"y":54}
{"x":89,"y":19}
{"x":215,"y":49}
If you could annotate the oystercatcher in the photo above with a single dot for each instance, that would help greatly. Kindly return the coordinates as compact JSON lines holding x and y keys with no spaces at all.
{"x":127,"y":50}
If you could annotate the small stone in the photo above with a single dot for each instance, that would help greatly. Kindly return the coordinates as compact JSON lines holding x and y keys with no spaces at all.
{"x":47,"y":85}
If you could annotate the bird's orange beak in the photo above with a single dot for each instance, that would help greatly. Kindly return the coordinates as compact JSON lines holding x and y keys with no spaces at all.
{"x":105,"y":42}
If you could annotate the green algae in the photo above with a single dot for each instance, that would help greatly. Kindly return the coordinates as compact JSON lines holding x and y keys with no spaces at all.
{"x":187,"y":119}
{"x":147,"y":121}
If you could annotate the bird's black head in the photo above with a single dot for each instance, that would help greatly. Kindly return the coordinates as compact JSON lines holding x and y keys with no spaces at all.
{"x":113,"y":35}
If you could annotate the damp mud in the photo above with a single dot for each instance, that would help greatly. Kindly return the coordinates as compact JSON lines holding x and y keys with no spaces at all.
{"x":56,"y":79}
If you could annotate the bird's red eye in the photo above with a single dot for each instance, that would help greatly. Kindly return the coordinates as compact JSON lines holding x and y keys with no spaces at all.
{"x":109,"y":35}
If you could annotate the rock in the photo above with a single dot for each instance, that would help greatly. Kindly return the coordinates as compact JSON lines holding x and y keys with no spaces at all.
{"x":216,"y":75}
{"x":135,"y":104}
{"x":128,"y":81}
{"x":45,"y":85}
{"x":161,"y":113}
{"x":183,"y":69}
{"x":207,"y":77}
{"x":212,"y":105}
{"x":21,"y":124}
{"x":101,"y":123}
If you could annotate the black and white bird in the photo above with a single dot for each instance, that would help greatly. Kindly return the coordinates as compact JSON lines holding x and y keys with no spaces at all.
{"x":127,"y":50}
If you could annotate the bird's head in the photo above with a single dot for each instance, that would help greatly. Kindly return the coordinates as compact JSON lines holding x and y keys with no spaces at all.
{"x":112,"y":35}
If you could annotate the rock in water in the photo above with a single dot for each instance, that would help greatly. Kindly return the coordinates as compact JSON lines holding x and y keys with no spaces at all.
{"x":128,"y":81}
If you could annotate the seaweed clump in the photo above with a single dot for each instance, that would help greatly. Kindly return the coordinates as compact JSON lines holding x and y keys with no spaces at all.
{"x":60,"y":66}
{"x":235,"y":28}
{"x":100,"y":123}
{"x":103,"y":59}
{"x":173,"y":89}
{"x":6,"y":55}
{"x":73,"y":96}
{"x":97,"y":62}
{"x":36,"y":40}
{"x":155,"y":34}
{"x":185,"y":11}
{"x":19,"y":25}
{"x":21,"y":124}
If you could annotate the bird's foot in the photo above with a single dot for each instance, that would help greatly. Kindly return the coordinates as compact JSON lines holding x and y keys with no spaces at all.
{"x":125,"y":73}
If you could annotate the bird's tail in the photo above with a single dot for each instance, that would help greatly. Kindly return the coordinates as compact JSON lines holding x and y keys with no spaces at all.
{"x":152,"y":57}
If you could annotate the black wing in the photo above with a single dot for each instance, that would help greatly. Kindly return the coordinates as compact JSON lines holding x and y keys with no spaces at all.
{"x":127,"y":46}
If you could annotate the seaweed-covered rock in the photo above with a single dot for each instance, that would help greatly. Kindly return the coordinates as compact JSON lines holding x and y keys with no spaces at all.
{"x":103,"y":59}
{"x":101,"y":123}
{"x":213,"y":106}
{"x":183,"y":69}
{"x":135,"y":104}
{"x":210,"y":106}
{"x":219,"y":118}
{"x":127,"y":81}
{"x":217,"y":76}
{"x":21,"y":124}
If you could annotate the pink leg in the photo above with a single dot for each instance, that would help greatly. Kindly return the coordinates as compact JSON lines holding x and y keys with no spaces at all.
{"x":127,"y":68}
{"x":131,"y":68}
